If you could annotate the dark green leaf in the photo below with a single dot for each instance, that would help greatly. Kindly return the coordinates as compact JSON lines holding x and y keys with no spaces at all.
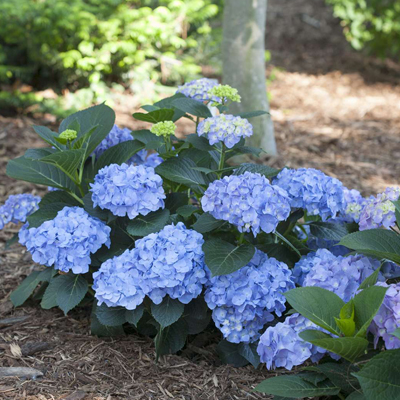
{"x":380,"y":243}
{"x":207,"y":223}
{"x":150,"y":140}
{"x":197,"y":316}
{"x":229,"y":354}
{"x":280,"y":252}
{"x":96,"y":212}
{"x":318,"y":305}
{"x":101,"y":116}
{"x":48,"y":136}
{"x":293,"y":386}
{"x":269,"y":172}
{"x":144,"y":225}
{"x":67,"y":161}
{"x":175,"y":200}
{"x":71,"y":292}
{"x":49,"y":299}
{"x":118,"y":154}
{"x":366,"y":305}
{"x":45,"y":213}
{"x":350,"y":348}
{"x":25,"y":289}
{"x":160,"y":115}
{"x":223,"y":258}
{"x":397,"y":212}
{"x":101,"y":330}
{"x":380,"y":378}
{"x":313,"y":377}
{"x":167,"y":103}
{"x":328,"y":230}
{"x":180,"y":171}
{"x":38,"y":172}
{"x":171,"y":339}
{"x":37,"y":154}
{"x":192,"y":106}
{"x":356,"y":396}
{"x":111,"y":316}
{"x":199,"y":142}
{"x":58,"y":196}
{"x":187,"y":210}
{"x":134,"y":316}
{"x":249,"y":352}
{"x":167,"y":312}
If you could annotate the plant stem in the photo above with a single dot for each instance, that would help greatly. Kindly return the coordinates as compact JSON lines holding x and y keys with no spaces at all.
{"x":241,"y":238}
{"x":222,"y":159}
{"x":76,"y":197}
{"x":197,"y":123}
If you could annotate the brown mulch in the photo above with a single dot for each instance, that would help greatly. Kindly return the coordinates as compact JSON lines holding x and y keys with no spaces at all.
{"x":333,"y":109}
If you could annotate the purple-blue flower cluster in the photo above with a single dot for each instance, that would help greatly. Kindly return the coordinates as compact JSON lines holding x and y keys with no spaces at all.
{"x":128,"y":190}
{"x":118,"y":135}
{"x":340,"y":275}
{"x":17,"y":208}
{"x":353,"y":205}
{"x":170,"y":262}
{"x":247,"y":201}
{"x":281,"y":346}
{"x":198,"y":89}
{"x":379,"y":211}
{"x":228,"y":129}
{"x":387,"y":320}
{"x":312,"y":190}
{"x":67,"y":241}
{"x":242,"y":302}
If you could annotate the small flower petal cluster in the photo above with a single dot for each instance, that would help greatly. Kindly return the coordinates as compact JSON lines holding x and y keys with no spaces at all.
{"x":165,"y":128}
{"x":198,"y":89}
{"x":128,"y":190}
{"x":225,"y":128}
{"x":313,"y":191}
{"x":380,"y":211}
{"x":242,"y":302}
{"x":340,"y":275}
{"x":387,"y":319}
{"x":68,"y":134}
{"x":17,"y":208}
{"x":153,"y":160}
{"x":247,"y":201}
{"x":353,"y":205}
{"x":67,"y":241}
{"x":170,"y":262}
{"x":390,"y":270}
{"x":116,"y":136}
{"x":281,"y":345}
{"x":224,"y":93}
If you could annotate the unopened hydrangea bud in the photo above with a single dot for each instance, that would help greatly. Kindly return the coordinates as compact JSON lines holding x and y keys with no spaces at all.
{"x":68,"y":134}
{"x":165,"y":128}
{"x":225,"y":93}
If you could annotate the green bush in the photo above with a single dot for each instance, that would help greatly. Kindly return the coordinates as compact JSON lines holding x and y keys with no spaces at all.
{"x":371,"y":24}
{"x":76,"y":43}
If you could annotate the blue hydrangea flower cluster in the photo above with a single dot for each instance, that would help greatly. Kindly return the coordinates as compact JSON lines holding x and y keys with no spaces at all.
{"x":17,"y":208}
{"x":225,"y":128}
{"x":242,"y":302}
{"x":313,"y":191}
{"x":340,"y":275}
{"x":170,"y":262}
{"x":387,"y":319}
{"x":247,"y":201}
{"x":281,"y":346}
{"x":128,"y":190}
{"x":117,"y":136}
{"x":198,"y":89}
{"x":354,"y":203}
{"x":67,"y":241}
{"x":379,"y":211}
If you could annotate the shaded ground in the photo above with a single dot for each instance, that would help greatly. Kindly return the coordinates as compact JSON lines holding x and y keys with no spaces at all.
{"x":333,"y":109}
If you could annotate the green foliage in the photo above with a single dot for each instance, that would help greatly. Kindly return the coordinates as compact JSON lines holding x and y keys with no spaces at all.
{"x":88,"y":42}
{"x":373,"y":24}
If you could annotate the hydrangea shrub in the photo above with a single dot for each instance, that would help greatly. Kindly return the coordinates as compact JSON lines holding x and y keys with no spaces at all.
{"x":163,"y":234}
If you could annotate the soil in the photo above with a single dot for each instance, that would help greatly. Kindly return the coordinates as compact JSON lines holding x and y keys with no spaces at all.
{"x":333,"y":109}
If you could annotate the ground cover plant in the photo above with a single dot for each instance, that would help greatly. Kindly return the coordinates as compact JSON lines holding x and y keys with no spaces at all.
{"x":165,"y":237}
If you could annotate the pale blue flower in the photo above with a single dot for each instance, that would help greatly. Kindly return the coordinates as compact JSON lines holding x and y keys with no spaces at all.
{"x":17,"y":208}
{"x":128,"y":190}
{"x":247,"y":201}
{"x":67,"y":241}
{"x":198,"y":89}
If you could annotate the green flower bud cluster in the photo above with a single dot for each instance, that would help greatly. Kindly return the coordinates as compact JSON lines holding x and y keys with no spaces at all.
{"x":165,"y":128}
{"x":225,"y":93}
{"x":68,"y":134}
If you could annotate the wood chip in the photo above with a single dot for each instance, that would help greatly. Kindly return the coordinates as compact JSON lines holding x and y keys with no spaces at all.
{"x":20,"y":372}
{"x":34,"y":347}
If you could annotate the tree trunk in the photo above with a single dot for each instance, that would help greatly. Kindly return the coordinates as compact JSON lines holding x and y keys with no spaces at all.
{"x":244,"y":64}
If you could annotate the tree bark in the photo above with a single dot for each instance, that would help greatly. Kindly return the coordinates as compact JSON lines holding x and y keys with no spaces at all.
{"x":244,"y":64}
